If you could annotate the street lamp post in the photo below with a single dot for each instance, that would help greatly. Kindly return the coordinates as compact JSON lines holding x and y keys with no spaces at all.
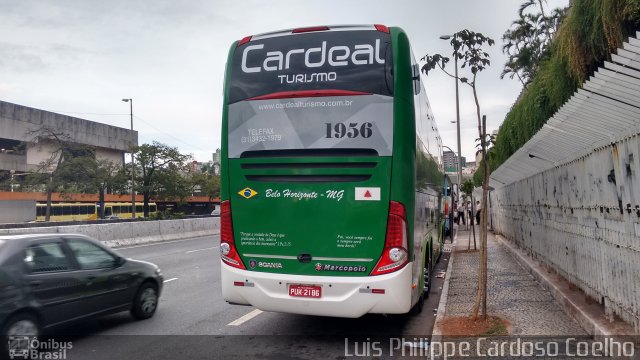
{"x":455,"y":64}
{"x":133,"y":191}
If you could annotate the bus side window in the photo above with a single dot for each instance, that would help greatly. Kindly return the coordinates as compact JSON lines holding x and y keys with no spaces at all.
{"x":75,"y":210}
{"x":107,"y":211}
{"x":56,"y":210}
{"x":152,"y":208}
{"x":139,"y":208}
{"x":39,"y":211}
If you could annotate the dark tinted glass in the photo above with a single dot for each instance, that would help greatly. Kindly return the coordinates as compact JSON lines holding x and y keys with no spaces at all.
{"x":90,"y":256}
{"x":335,"y":60}
{"x":45,"y":258}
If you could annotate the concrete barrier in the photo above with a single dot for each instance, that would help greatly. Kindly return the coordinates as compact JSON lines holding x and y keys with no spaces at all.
{"x":132,"y":233}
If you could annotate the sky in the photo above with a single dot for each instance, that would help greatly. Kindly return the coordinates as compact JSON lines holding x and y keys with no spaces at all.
{"x":81,"y":57}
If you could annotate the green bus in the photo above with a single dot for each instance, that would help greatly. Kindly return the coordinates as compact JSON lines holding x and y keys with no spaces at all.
{"x":332,"y":199}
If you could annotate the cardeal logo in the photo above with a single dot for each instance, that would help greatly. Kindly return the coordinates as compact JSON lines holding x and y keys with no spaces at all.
{"x":361,"y":54}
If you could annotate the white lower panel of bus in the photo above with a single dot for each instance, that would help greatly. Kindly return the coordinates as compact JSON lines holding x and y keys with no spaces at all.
{"x":339,"y":296}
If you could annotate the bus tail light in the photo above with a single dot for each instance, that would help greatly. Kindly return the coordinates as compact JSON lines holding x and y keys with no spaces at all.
{"x":228,"y":251}
{"x":382,"y":28}
{"x":309,"y":29}
{"x":395,"y":254}
{"x":244,"y":40}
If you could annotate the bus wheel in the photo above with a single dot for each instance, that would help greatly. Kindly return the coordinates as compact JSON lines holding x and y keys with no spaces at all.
{"x":427,"y":275}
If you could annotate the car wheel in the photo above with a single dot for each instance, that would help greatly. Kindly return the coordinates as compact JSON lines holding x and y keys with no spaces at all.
{"x":145,"y":302}
{"x":23,"y":324}
{"x":20,"y":326}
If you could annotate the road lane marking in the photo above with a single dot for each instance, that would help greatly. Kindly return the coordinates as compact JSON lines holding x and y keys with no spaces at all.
{"x":168,"y":280}
{"x":192,"y":251}
{"x":245,"y":318}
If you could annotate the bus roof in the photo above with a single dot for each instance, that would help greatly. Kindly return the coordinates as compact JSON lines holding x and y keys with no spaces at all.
{"x":303,"y":30}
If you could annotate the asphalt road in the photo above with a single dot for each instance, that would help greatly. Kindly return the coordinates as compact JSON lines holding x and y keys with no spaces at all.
{"x":194,"y":322}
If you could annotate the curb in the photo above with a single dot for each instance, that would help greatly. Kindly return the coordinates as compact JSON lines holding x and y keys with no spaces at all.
{"x":590,"y":317}
{"x":436,"y":335}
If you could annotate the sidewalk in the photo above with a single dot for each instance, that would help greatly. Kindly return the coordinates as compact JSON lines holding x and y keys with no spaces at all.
{"x":513,"y":294}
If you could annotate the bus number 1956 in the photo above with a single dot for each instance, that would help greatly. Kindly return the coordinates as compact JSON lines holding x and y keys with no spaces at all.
{"x":354,"y":130}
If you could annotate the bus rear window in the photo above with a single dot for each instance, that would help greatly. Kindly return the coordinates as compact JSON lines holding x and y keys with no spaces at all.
{"x":321,"y":90}
{"x":335,"y":60}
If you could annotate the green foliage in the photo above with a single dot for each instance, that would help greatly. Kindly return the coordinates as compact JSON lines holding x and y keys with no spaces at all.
{"x":477,"y":176}
{"x":467,"y":187}
{"x":167,"y":214}
{"x":591,"y":30}
{"x":160,"y":171}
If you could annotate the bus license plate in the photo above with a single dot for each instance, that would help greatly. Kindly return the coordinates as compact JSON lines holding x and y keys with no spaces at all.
{"x":310,"y":291}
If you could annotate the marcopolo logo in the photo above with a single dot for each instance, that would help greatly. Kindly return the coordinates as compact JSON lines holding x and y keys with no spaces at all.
{"x":341,"y":55}
{"x":31,"y":348}
{"x":342,"y":268}
{"x":247,"y":193}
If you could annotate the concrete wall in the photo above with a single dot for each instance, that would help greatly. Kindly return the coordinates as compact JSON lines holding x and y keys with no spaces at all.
{"x":17,"y":211}
{"x":16,"y":123}
{"x":133,"y":233}
{"x":17,"y":120}
{"x":582,"y":219}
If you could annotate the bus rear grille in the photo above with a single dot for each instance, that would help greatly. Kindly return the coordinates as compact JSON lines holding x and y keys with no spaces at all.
{"x":296,"y":153}
{"x":335,"y":165}
{"x":307,"y":178}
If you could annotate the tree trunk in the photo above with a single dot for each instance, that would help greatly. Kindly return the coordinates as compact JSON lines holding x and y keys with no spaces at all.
{"x":47,"y":216}
{"x":146,"y":203}
{"x":481,"y":295}
{"x":101,"y":200}
{"x":483,"y":215}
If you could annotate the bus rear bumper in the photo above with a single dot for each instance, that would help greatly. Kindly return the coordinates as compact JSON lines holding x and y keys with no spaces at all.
{"x":340,"y":296}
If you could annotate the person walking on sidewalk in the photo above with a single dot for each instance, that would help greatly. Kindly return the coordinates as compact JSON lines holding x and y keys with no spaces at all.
{"x":461,"y":214}
{"x":478,"y":209}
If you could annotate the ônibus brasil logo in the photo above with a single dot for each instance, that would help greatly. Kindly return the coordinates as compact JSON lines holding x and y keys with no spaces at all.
{"x":247,"y":193}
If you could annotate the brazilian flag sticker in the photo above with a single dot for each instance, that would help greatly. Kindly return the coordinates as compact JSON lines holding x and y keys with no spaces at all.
{"x":247,"y":193}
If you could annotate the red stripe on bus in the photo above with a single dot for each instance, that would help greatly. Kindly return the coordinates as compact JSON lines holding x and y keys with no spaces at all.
{"x":308,"y":93}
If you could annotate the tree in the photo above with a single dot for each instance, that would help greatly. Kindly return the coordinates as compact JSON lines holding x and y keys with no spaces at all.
{"x":206,"y":183}
{"x":62,"y":151}
{"x":468,"y":47}
{"x":528,"y":41}
{"x":160,"y":171}
{"x":90,"y":175}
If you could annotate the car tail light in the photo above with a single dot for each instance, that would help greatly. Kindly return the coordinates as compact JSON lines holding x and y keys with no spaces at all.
{"x":228,"y":251}
{"x":395,"y":253}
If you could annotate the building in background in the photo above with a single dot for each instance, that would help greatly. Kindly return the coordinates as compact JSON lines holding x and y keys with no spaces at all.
{"x":451,"y":161}
{"x":21,"y":150}
{"x":216,"y":162}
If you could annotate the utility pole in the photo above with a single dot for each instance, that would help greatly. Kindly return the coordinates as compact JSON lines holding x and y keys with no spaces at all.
{"x":133,"y":184}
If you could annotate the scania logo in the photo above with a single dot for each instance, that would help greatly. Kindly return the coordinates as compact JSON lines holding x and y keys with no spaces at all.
{"x":361,"y":54}
{"x":247,"y":193}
